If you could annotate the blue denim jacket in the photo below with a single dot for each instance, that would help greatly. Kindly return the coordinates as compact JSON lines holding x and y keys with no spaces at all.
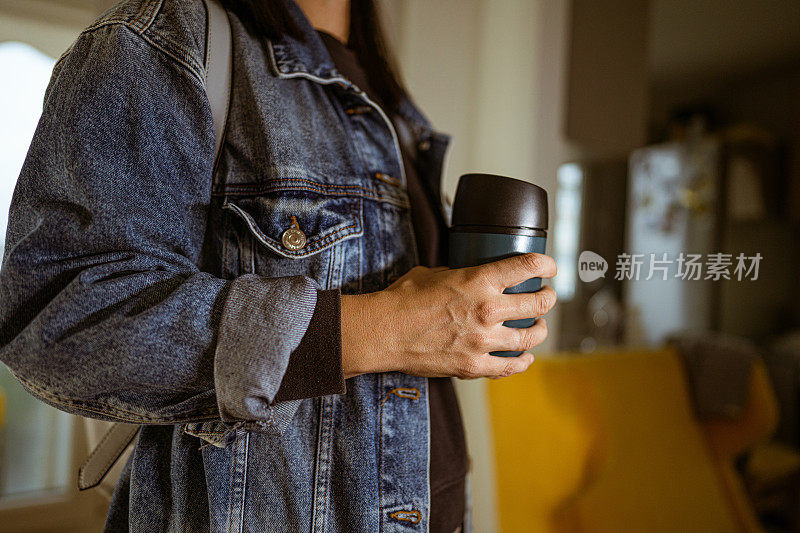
{"x":137,"y":285}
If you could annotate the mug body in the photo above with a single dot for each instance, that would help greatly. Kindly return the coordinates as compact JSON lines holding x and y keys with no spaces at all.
{"x":472,"y":248}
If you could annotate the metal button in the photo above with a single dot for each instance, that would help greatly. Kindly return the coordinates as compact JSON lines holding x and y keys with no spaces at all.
{"x":294,"y":238}
{"x":425,"y":146}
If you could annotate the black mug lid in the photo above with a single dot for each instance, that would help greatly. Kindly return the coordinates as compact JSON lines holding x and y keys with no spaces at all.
{"x":492,"y":200}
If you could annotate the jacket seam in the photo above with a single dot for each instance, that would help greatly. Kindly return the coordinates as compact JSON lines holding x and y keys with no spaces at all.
{"x":289,"y":181}
{"x":233,"y":482}
{"x":205,"y":433}
{"x":328,"y":465}
{"x":187,"y":60}
{"x":154,"y":11}
{"x":178,"y":54}
{"x":120,"y":414}
{"x":238,"y":480}
{"x":360,"y":192}
{"x":380,"y":455}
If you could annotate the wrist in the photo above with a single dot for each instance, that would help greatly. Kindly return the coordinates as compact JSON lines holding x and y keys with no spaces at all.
{"x":365,"y":349}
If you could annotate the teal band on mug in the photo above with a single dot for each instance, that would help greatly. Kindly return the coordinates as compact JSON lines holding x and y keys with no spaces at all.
{"x":472,"y":249}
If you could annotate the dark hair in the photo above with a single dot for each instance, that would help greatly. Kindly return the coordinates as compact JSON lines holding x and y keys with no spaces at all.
{"x":271,"y":18}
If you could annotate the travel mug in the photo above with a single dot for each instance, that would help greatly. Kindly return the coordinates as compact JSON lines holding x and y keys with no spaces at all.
{"x":495,"y":217}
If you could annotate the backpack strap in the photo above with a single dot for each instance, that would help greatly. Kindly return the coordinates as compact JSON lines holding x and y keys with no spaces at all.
{"x":219,"y":73}
{"x":219,"y":69}
{"x":107,"y":452}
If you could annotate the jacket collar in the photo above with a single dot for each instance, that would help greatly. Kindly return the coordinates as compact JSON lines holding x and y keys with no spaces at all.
{"x":292,"y":58}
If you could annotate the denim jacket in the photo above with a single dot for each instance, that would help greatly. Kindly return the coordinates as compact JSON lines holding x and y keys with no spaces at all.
{"x":141,"y":285}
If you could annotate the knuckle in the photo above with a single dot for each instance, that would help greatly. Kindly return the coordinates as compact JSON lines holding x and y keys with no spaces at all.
{"x":533,"y":262}
{"x":478,"y":341}
{"x":527,"y":364}
{"x":408,"y":284}
{"x":552,"y":297}
{"x":407,"y":279}
{"x":469,"y":368}
{"x":543,"y":303}
{"x":486,"y":312}
{"x":416,"y":273}
{"x":529,"y":337}
{"x":509,"y":369}
{"x":478,"y":276}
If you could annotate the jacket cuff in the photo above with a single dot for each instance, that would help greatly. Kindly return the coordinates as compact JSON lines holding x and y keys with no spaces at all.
{"x":262,"y":323}
{"x":315,"y":367}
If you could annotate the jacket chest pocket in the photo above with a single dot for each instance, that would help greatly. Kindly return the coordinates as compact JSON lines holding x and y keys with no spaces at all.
{"x":292,"y":232}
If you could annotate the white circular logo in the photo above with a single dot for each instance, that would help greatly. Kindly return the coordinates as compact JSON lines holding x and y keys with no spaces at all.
{"x":591,"y":266}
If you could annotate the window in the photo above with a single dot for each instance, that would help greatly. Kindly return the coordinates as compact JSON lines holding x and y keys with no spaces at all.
{"x":567,"y":228}
{"x":22,"y":94}
{"x":36,"y":438}
{"x":41,"y":447}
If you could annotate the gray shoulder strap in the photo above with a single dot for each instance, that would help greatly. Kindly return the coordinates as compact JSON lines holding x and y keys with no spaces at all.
{"x":218,"y":64}
{"x":110,"y":448}
{"x":218,"y":69}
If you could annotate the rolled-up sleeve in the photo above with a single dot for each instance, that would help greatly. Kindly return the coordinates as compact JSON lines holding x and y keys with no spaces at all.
{"x":315,"y":367}
{"x":104,"y":310}
{"x":249,"y":326}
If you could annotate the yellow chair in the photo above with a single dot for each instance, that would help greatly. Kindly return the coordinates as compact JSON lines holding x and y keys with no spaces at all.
{"x":609,"y":442}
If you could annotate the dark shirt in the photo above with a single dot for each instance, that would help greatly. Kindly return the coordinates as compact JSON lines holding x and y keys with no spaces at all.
{"x":448,"y":464}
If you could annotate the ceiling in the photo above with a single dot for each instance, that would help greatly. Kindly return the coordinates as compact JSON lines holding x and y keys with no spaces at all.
{"x":702,"y":38}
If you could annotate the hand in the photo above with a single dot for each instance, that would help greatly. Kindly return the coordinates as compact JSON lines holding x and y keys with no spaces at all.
{"x":442,"y":322}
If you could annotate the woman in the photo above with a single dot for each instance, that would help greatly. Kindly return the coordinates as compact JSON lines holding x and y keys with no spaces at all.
{"x":264,"y":320}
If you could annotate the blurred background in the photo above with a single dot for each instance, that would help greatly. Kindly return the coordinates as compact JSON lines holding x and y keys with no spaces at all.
{"x":662,"y":130}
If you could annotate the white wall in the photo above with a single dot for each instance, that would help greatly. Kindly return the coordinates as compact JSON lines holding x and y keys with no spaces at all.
{"x":48,"y":26}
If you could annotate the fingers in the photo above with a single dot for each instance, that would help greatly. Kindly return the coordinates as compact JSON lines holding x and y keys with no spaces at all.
{"x":533,"y":358}
{"x":490,"y":366}
{"x":521,"y":339}
{"x":506,"y":339}
{"x":514,"y":270}
{"x":525,"y":305}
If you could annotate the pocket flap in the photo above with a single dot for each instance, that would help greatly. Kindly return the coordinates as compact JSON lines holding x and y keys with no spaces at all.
{"x":314,"y":221}
{"x":214,"y":432}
